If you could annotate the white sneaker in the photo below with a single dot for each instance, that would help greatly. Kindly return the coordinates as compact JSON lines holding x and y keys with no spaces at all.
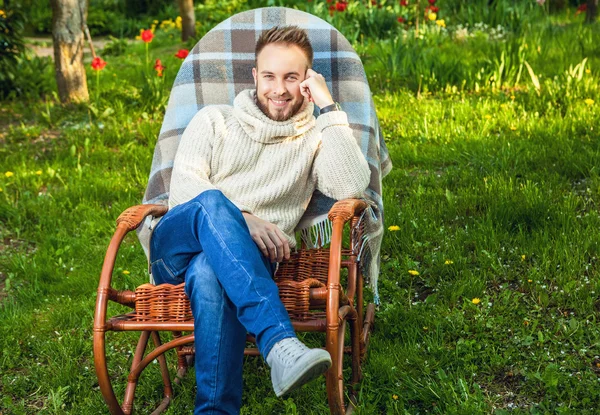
{"x":293,"y":364}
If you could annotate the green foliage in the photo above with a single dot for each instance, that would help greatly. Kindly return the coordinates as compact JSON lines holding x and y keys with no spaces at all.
{"x":115,"y":47}
{"x":33,"y":77}
{"x":495,"y":192}
{"x":11,"y":47}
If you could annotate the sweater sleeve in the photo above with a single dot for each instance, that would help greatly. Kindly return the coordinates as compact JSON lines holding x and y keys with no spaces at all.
{"x":191,"y":167}
{"x":340,"y":168}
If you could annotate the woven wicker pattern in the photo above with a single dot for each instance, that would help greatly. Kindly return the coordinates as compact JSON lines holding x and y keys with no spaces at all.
{"x":306,"y":263}
{"x":306,"y":269}
{"x":162,"y":303}
{"x":295,"y":297}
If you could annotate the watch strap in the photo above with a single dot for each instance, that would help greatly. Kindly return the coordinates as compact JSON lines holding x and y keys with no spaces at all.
{"x":333,"y":107}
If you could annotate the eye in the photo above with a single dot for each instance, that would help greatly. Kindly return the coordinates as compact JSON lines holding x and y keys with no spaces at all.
{"x":292,"y":78}
{"x":268,"y":76}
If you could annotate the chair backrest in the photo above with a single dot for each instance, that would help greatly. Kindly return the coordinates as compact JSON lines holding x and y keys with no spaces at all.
{"x":219,"y":67}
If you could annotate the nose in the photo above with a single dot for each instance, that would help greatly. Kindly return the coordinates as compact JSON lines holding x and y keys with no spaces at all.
{"x":280,"y":88}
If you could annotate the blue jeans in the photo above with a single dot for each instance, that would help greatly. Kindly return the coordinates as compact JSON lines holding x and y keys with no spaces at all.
{"x":206,"y":243}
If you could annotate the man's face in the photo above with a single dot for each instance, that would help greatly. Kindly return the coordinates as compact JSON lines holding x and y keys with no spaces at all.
{"x":279,"y":71}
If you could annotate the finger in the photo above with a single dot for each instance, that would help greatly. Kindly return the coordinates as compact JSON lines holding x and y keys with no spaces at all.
{"x":285,"y":242}
{"x":271,"y":249}
{"x":261,"y":245}
{"x":310,"y":72}
{"x":276,"y":239}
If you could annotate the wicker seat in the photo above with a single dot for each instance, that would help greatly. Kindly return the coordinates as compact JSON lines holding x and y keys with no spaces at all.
{"x":309,"y":286}
{"x":322,"y":289}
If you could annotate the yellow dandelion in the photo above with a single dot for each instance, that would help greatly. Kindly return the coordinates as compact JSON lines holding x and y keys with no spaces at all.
{"x":432,"y":16}
{"x":394,"y":228}
{"x":523,"y":257}
{"x":395,"y":397}
{"x":1,"y":190}
{"x":126,"y":272}
{"x":39,"y":172}
{"x":589,"y":101}
{"x":475,"y":300}
{"x":530,"y":281}
{"x":512,"y":97}
{"x":2,"y":14}
{"x":487,"y":117}
{"x":525,"y":323}
{"x":441,"y":23}
{"x":448,"y":262}
{"x":588,"y":71}
{"x":513,"y":128}
{"x":9,"y":174}
{"x":413,"y":272}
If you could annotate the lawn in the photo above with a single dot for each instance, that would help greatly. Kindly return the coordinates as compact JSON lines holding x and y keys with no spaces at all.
{"x":489,"y":284}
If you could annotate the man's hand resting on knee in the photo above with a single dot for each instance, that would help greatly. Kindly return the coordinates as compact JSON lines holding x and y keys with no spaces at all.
{"x":268,"y":237}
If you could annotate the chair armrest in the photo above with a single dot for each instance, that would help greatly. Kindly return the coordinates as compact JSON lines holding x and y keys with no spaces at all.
{"x":346,"y":209}
{"x":135,"y":215}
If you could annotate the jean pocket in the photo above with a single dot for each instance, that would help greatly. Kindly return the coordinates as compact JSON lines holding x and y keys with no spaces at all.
{"x":162,"y":274}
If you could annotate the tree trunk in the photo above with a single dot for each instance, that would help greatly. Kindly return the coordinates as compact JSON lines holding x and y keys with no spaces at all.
{"x":68,"y":18}
{"x":188,"y":19}
{"x":592,"y":11}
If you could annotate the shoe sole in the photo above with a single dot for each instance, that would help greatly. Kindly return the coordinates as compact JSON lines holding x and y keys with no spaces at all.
{"x":315,"y":367}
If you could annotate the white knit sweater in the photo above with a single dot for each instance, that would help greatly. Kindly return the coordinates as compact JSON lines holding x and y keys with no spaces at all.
{"x":268,"y":168}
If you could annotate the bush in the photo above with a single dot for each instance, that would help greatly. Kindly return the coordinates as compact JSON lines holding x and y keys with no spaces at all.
{"x":33,"y":77}
{"x":11,"y":47}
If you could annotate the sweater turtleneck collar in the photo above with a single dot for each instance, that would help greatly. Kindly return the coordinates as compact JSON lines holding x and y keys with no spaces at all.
{"x":265,"y":130}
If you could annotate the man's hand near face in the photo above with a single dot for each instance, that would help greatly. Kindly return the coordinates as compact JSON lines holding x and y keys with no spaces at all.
{"x":268,"y":237}
{"x":314,"y":88}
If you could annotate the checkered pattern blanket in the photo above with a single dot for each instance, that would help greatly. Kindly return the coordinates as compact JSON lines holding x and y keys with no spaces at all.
{"x":219,"y":67}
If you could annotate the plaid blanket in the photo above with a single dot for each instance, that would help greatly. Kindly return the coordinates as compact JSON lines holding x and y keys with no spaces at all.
{"x":219,"y":67}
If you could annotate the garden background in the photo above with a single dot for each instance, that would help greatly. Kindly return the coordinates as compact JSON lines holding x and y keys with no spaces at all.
{"x":489,"y":286}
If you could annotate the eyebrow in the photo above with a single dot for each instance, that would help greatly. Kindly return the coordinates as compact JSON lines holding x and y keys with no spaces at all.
{"x":271,"y":73}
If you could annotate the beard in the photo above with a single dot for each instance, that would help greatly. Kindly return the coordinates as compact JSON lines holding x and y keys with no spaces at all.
{"x":279,"y":115}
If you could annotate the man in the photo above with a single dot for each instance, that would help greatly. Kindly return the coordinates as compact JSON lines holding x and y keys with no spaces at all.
{"x":242,"y":178}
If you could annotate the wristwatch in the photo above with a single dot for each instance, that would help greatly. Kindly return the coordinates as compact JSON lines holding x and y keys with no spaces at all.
{"x":333,"y":107}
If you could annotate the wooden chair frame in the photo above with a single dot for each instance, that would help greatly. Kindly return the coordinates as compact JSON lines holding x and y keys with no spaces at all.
{"x":309,"y":281}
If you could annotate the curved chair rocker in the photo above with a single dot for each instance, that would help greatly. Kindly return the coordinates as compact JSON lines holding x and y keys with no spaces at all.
{"x":310,"y":283}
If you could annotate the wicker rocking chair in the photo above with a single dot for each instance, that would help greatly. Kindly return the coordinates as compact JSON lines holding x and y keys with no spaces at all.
{"x":310,"y":283}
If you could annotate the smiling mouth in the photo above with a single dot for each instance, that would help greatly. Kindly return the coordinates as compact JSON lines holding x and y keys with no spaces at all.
{"x":279,"y":103}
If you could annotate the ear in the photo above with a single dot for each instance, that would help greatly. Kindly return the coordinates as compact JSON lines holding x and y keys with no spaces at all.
{"x":254,"y":75}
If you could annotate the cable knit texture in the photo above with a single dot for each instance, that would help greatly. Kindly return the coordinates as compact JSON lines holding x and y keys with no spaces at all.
{"x":265,"y":167}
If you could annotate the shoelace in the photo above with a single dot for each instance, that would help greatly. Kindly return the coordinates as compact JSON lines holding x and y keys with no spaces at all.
{"x":289,"y":352}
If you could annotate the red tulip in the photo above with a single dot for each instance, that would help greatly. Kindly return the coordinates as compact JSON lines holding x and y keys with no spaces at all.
{"x":401,"y":20}
{"x":341,"y":6}
{"x":432,"y":2}
{"x":404,"y":3}
{"x":182,"y":54}
{"x":147,"y":35}
{"x":98,"y":63}
{"x":159,"y":68}
{"x":581,"y":9}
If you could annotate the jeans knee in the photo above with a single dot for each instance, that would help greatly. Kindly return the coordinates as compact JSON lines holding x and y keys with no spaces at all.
{"x":211,"y":197}
{"x":216,"y":203}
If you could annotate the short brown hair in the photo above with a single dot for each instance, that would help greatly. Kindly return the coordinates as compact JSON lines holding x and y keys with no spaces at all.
{"x":289,"y":35}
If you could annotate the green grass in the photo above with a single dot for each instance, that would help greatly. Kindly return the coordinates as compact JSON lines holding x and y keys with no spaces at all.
{"x":495,"y":189}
